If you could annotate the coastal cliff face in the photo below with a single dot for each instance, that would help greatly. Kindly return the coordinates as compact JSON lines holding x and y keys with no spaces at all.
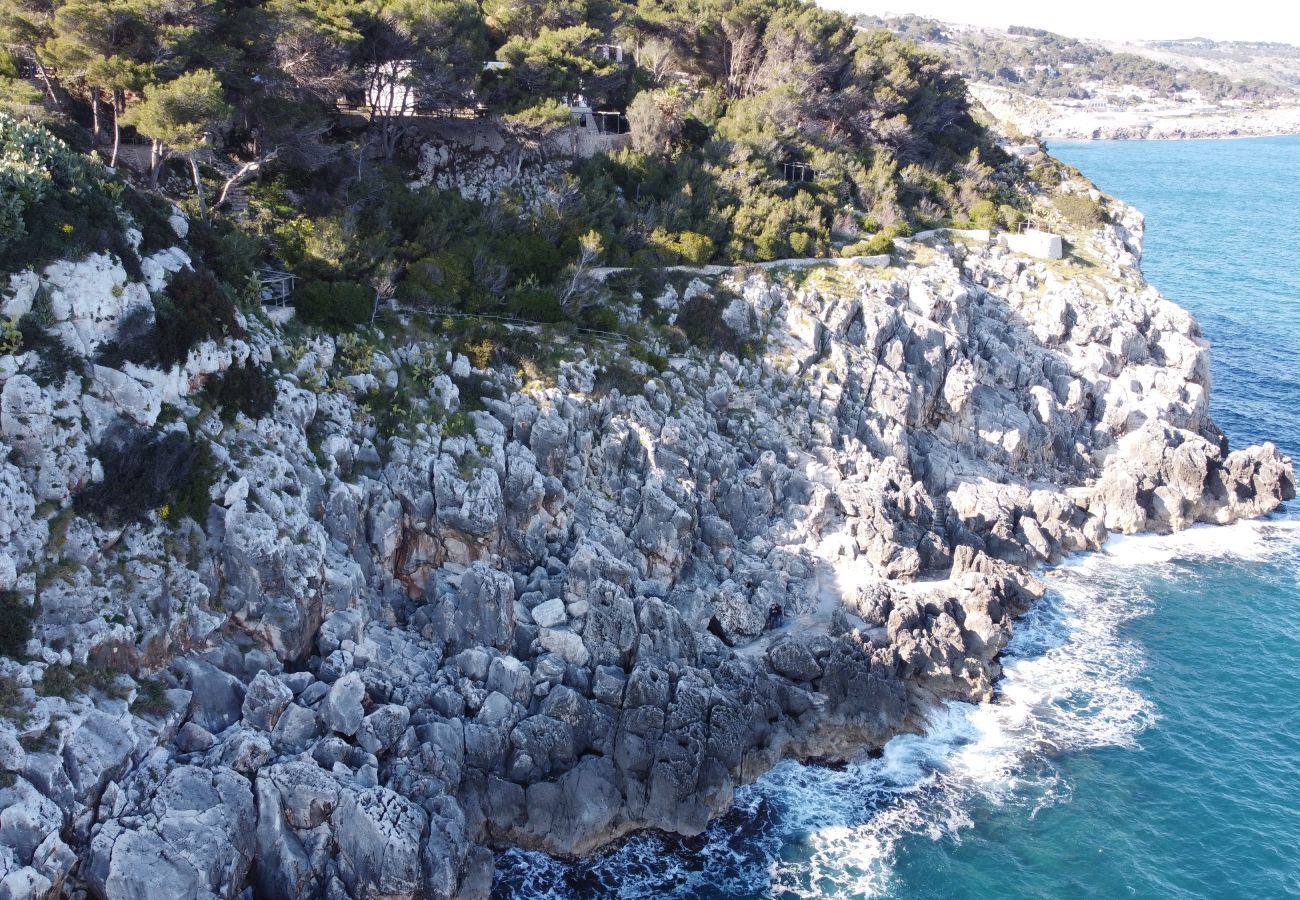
{"x":531,"y":608}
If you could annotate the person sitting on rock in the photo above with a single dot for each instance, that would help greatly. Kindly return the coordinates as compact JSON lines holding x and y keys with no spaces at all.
{"x":775,"y":616}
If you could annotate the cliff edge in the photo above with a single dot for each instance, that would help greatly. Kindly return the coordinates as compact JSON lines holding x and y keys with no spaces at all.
{"x":431,"y":595}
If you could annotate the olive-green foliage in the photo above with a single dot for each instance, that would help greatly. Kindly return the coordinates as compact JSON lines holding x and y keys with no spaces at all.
{"x":458,"y":424}
{"x":984,"y":214}
{"x":701,"y":320}
{"x":54,"y":202}
{"x":55,"y":360}
{"x":195,"y":307}
{"x":243,"y":389}
{"x":145,"y":469}
{"x":880,"y":243}
{"x":11,"y":699}
{"x":11,"y":338}
{"x":336,"y":305}
{"x":67,"y":681}
{"x":1080,"y":210}
{"x":231,"y":253}
{"x":682,"y":247}
{"x":150,"y":698}
{"x":15,"y":624}
{"x":619,"y":376}
{"x":876,"y":245}
{"x":435,"y":249}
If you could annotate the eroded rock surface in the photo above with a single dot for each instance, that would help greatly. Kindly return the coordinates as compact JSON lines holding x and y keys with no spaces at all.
{"x":389,"y":649}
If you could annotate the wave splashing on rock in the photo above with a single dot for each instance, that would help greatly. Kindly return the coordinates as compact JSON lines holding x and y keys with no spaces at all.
{"x":811,"y":831}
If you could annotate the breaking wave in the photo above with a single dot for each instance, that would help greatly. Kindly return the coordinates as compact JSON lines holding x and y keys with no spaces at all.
{"x":808,"y":831}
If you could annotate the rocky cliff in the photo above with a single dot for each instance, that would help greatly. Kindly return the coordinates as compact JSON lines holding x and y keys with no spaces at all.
{"x":434,"y":599}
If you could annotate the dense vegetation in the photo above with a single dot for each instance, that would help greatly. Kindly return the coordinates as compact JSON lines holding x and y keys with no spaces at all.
{"x":291,"y":107}
{"x":1051,"y":66}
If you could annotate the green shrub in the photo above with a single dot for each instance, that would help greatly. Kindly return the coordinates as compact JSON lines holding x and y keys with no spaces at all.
{"x":15,"y":624}
{"x":194,"y":308}
{"x":334,"y":305}
{"x":876,"y":245}
{"x":684,"y":247}
{"x":232,"y":254}
{"x":54,"y":202}
{"x":152,"y":216}
{"x":241,"y":389}
{"x":984,"y":214}
{"x":11,"y":699}
{"x":649,"y":357}
{"x":150,"y":698}
{"x":11,"y":338}
{"x":599,"y":318}
{"x":55,"y":360}
{"x":458,"y":424}
{"x":619,"y":376}
{"x":479,"y":350}
{"x":145,"y":469}
{"x":1080,"y":210}
{"x":68,"y":681}
{"x":537,"y":304}
{"x":57,"y":681}
{"x":700,"y":318}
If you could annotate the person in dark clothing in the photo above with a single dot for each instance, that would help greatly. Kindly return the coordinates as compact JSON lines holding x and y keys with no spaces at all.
{"x":775,"y":616}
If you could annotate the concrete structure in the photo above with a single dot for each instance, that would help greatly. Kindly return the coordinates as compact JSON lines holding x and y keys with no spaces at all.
{"x":1033,"y":242}
{"x":595,"y":131}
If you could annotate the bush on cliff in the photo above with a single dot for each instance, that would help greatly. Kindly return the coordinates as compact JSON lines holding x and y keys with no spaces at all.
{"x":145,"y":469}
{"x":701,"y":320}
{"x":54,"y":202}
{"x":195,"y":307}
{"x":243,"y":389}
{"x":15,"y":624}
{"x":335,"y":305}
{"x":1080,"y":210}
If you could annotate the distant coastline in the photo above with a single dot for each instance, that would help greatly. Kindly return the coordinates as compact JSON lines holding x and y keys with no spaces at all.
{"x":1153,"y":120}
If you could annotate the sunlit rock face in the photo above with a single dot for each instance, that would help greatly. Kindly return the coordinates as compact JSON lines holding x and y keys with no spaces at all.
{"x":423,"y":608}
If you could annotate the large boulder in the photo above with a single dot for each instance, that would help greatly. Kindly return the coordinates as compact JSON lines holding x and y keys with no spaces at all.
{"x":379,"y":836}
{"x":191,"y":837}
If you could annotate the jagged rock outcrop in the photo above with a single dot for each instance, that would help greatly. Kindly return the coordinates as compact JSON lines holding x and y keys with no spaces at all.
{"x":387,"y":649}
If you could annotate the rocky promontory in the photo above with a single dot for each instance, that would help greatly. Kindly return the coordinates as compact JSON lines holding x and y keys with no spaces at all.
{"x":433,"y":597}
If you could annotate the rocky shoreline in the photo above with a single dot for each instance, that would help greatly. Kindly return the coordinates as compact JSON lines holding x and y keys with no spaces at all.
{"x":541,"y":620}
{"x":1152,"y":120}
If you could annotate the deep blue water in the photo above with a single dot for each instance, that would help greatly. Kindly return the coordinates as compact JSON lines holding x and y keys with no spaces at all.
{"x":1147,"y":739}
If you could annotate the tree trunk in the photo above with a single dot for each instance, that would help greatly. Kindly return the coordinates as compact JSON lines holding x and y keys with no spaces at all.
{"x":198,"y":188}
{"x":94,"y":115}
{"x":156,"y":160}
{"x":117,"y":130}
{"x":243,"y":173}
{"x":45,"y":78}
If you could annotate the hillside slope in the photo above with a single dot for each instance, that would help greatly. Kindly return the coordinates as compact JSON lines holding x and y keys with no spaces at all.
{"x":334,"y":615}
{"x":1053,"y":86}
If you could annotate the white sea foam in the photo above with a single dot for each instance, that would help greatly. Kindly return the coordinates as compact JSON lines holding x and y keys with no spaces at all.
{"x":805,"y":831}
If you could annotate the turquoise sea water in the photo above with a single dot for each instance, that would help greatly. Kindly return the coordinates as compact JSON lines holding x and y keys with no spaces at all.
{"x":1146,"y":742}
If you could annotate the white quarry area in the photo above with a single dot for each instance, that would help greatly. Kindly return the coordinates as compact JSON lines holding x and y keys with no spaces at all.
{"x":385,"y":652}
